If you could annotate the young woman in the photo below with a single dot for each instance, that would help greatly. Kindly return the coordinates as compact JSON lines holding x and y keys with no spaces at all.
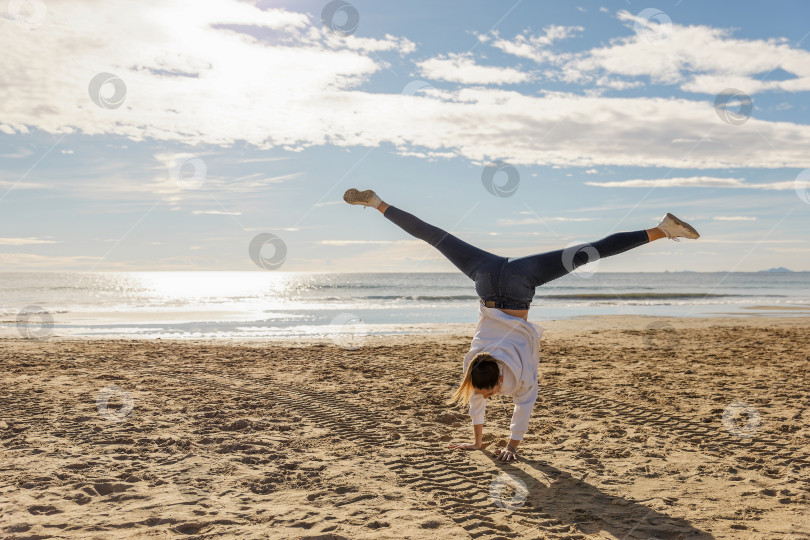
{"x":505,"y":350}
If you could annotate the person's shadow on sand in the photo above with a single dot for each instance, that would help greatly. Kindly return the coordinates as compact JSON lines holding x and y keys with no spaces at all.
{"x":556,"y":496}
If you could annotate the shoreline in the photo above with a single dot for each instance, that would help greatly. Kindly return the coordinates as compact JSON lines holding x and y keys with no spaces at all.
{"x":368,"y":333}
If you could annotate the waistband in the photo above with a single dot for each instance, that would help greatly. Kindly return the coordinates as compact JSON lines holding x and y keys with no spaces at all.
{"x":502,"y":305}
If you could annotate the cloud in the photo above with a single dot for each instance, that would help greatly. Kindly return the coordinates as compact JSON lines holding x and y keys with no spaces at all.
{"x":23,"y":185}
{"x":536,"y":48}
{"x":195,"y":75}
{"x":180,"y":60}
{"x":696,"y":181}
{"x":537,"y":221}
{"x":348,"y":242}
{"x":748,"y":241}
{"x":215,"y":212}
{"x":698,"y":58}
{"x":461,"y":68}
{"x":788,"y":250}
{"x":60,"y":263}
{"x":24,"y":241}
{"x":734,"y":218}
{"x":316,"y":205}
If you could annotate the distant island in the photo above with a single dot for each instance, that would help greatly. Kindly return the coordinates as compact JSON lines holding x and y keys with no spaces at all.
{"x":779,"y":269}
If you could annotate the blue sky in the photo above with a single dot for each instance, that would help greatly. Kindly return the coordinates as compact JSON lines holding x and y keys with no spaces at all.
{"x":234,"y":119}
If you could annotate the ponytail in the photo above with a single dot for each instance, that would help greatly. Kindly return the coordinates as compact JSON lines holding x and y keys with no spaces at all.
{"x":482,"y":373}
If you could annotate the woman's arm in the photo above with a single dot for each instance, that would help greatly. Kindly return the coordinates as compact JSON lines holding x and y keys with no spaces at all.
{"x":478,"y":430}
{"x":524,"y":403}
{"x":507,"y":453}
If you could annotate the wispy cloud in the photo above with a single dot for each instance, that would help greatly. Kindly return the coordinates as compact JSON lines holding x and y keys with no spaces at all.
{"x":216,"y":213}
{"x":341,"y":201}
{"x":24,"y":241}
{"x":60,"y":263}
{"x":734,"y":218}
{"x":537,"y":221}
{"x":536,"y":47}
{"x":23,"y":185}
{"x":350,"y":242}
{"x":462,"y":68}
{"x":788,"y":250}
{"x":695,"y":181}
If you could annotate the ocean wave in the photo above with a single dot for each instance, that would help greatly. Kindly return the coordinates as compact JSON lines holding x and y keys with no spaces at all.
{"x":428,"y":298}
{"x":640,"y":296}
{"x":551,"y":297}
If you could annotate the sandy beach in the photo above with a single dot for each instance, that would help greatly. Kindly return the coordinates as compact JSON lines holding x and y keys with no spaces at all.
{"x":644,"y":428}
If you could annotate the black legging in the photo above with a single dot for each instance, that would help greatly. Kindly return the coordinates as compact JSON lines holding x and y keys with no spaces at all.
{"x":510,"y":281}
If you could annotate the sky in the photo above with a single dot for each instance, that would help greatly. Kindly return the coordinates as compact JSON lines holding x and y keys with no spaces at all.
{"x":221,"y":134}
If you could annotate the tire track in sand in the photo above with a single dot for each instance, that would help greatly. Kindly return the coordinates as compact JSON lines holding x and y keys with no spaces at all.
{"x":711,"y":438}
{"x":460,"y":489}
{"x":708,"y":439}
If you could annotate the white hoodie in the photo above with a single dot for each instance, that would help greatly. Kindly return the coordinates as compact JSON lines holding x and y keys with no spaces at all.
{"x":515,"y":344}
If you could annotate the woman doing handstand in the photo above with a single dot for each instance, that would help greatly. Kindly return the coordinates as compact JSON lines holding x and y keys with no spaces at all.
{"x":504,"y":354}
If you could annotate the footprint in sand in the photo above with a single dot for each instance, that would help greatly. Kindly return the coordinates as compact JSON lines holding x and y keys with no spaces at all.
{"x":199,"y":481}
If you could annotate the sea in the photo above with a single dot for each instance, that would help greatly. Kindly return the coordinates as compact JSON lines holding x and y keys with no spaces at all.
{"x":257,"y":305}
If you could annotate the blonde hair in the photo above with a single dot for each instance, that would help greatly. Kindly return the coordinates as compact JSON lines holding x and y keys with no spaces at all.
{"x":481,"y":373}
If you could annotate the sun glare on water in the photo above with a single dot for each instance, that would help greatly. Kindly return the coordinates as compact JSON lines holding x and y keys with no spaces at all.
{"x":209,"y":287}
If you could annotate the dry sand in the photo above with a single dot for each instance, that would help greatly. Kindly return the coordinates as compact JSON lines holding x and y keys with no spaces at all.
{"x":115,"y":439}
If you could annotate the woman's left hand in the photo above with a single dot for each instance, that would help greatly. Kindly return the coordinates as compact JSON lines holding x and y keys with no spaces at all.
{"x":506,"y":454}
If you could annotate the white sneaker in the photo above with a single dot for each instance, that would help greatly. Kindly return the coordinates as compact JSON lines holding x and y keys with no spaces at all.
{"x":674,"y":227}
{"x":366,"y":198}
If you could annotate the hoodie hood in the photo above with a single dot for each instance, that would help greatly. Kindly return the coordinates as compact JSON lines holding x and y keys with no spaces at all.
{"x":512,"y":340}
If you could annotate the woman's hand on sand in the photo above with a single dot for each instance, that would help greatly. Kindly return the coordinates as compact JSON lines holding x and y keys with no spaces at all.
{"x":505,"y":454}
{"x":465,"y":446}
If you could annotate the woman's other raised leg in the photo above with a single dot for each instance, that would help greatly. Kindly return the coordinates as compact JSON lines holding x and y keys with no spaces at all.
{"x":544,"y":267}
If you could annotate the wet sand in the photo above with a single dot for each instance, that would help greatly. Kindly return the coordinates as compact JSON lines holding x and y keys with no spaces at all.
{"x":644,"y":428}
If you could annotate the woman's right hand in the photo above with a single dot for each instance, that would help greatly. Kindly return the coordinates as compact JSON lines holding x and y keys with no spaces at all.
{"x":465,"y":446}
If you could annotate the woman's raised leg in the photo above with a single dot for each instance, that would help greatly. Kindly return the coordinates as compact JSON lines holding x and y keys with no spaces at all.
{"x":544,"y":267}
{"x":464,"y":256}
